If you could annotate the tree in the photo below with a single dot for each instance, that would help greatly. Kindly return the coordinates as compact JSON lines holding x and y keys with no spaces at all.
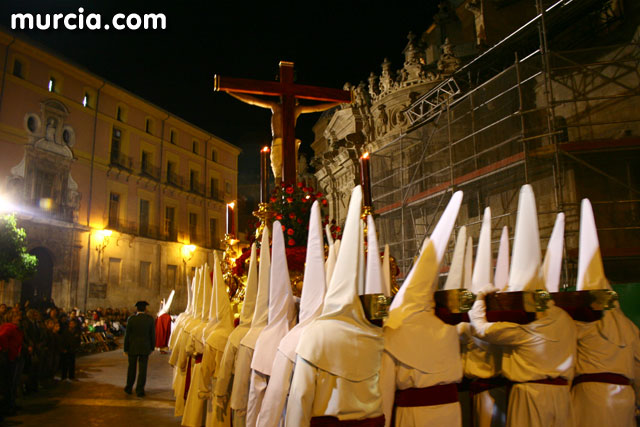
{"x":15,"y":261}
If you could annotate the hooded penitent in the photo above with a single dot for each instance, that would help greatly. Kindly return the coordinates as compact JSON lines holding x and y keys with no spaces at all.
{"x":313,"y":288}
{"x":261,"y":312}
{"x":456,"y":270}
{"x":482,"y":269}
{"x":248,"y":307}
{"x":416,"y":296}
{"x":342,"y":331}
{"x":165,"y":306}
{"x":526,"y":274}
{"x":552,"y":265}
{"x":218,"y":334}
{"x":374,"y":283}
{"x":282,"y":307}
{"x":501,"y":277}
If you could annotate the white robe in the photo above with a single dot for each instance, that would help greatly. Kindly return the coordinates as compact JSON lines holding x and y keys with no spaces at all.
{"x":257,"y":389}
{"x":224,"y":377}
{"x":544,"y":348}
{"x":241,"y":382}
{"x":609,"y":345}
{"x":275,"y":398}
{"x":316,"y":393}
{"x":483,"y":360}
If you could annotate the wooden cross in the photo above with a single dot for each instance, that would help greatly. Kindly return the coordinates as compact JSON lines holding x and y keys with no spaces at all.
{"x":288,"y":91}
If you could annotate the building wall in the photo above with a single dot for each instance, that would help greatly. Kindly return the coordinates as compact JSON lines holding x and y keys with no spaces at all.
{"x":81,"y":154}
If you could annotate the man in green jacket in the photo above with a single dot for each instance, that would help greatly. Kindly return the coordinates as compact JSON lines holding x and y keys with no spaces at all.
{"x":139,"y":340}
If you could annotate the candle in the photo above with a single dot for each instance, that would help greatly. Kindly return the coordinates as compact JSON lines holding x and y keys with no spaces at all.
{"x":365,"y":179}
{"x":264,"y":174}
{"x":231,"y":229}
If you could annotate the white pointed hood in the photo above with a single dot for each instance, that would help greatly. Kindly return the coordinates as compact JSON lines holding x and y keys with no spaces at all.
{"x":416,"y":293}
{"x":330,"y":263}
{"x":217,"y":336}
{"x":415,"y":306}
{"x":166,"y":305}
{"x":282,"y":307}
{"x":501,"y":277}
{"x":590,"y":267}
{"x":249,"y":304}
{"x":468,"y":264}
{"x":552,"y":265}
{"x":374,"y":283}
{"x":313,"y":288}
{"x":342,"y":331}
{"x":361,"y":261}
{"x":526,"y":274}
{"x":261,"y":312}
{"x":456,"y":270}
{"x":210,"y":296}
{"x":482,"y":268}
{"x":199,"y":294}
{"x":386,"y":271}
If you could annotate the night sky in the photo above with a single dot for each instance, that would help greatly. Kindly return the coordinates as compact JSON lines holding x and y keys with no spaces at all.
{"x":330,"y":42}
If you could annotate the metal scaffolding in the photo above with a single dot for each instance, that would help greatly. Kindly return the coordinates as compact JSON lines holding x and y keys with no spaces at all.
{"x":567,"y":122}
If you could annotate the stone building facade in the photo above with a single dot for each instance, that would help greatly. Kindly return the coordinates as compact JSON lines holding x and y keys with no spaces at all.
{"x":111,"y":189}
{"x":474,"y":108}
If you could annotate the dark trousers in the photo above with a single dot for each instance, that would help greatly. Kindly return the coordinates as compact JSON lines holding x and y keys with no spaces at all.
{"x":68,"y":365}
{"x":134,"y":360}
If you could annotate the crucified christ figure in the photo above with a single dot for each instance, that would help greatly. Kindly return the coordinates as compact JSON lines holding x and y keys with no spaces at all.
{"x":277,"y":125}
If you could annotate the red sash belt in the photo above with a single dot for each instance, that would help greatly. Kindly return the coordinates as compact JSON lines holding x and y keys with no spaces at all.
{"x":479,"y":385}
{"x":427,"y":396}
{"x":551,"y":381}
{"x":604,"y":377}
{"x":187,"y":381}
{"x":335,"y":422}
{"x":198,"y":358}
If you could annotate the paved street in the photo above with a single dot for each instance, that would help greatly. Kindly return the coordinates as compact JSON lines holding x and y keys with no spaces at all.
{"x":97,"y":399}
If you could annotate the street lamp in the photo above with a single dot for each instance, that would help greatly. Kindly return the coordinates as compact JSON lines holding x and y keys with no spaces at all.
{"x":187,"y":253}
{"x":102,"y":241}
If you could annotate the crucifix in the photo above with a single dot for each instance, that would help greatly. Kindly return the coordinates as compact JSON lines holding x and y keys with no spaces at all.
{"x":284,"y":112}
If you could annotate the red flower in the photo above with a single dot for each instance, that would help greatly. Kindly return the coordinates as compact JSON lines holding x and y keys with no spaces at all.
{"x":333,"y":228}
{"x":290,"y":232}
{"x":324,"y":202}
{"x":273,"y":200}
{"x":319,"y":194}
{"x":292,"y":215}
{"x":290,"y":199}
{"x":284,"y":228}
{"x":338,"y":229}
{"x":300,"y":221}
{"x":306,"y":189}
{"x":300,"y":185}
{"x":282,"y":184}
{"x":289,"y":190}
{"x":291,"y":242}
{"x":304,"y":200}
{"x":278,"y":217}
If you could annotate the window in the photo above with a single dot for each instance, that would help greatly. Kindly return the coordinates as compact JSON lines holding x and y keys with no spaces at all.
{"x":214,"y":155}
{"x":171,"y":171}
{"x":145,"y":162}
{"x":44,"y":186}
{"x":227,"y":187}
{"x":119,"y":114}
{"x":52,"y":84}
{"x":18,"y":69}
{"x":214,"y":189}
{"x":116,"y":138}
{"x":213,"y":232}
{"x":172,"y":136}
{"x":170,"y":223}
{"x":144,"y":217}
{"x":194,"y":147}
{"x":113,"y":277}
{"x":172,"y":274}
{"x":85,"y":100}
{"x":114,"y":209}
{"x":148,"y":126}
{"x":193,"y":181}
{"x":193,"y":227}
{"x":145,"y":274}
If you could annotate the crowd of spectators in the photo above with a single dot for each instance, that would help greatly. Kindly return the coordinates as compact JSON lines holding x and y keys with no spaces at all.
{"x":39,"y":343}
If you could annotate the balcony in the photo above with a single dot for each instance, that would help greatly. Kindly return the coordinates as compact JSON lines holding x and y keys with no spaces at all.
{"x":214,"y":195}
{"x":120,"y":161}
{"x":196,"y":188}
{"x":150,"y":171}
{"x":175,"y":180}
